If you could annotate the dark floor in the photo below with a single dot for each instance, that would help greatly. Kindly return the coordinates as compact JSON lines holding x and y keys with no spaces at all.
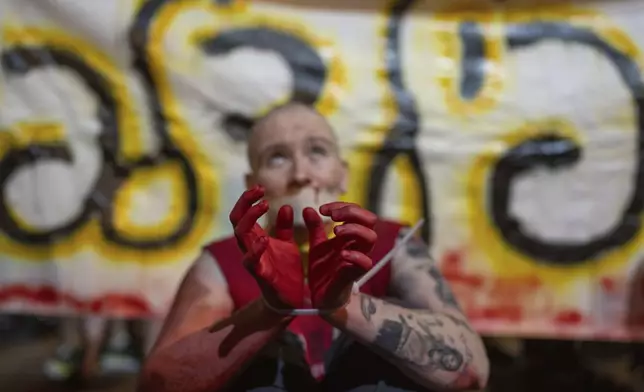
{"x":541,"y":366}
{"x":21,"y":371}
{"x":566,"y":366}
{"x":25,"y":344}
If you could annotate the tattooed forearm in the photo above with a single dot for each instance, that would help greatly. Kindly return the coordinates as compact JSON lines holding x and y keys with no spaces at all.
{"x":436,"y":347}
{"x":442,"y":289}
{"x":418,"y":344}
{"x":459,"y":322}
{"x":417,"y":254}
{"x":367,"y":306}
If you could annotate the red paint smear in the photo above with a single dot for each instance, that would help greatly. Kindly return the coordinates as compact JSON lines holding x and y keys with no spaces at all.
{"x":609,"y":285}
{"x":468,"y":379}
{"x":523,"y":284}
{"x":569,"y":317}
{"x":452,"y":270}
{"x":48,"y":295}
{"x":452,"y":260}
{"x":468,"y":280}
{"x":506,"y":313}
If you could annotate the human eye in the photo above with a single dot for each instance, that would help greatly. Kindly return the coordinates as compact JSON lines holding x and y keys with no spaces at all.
{"x":276,"y":159}
{"x":319,"y":150}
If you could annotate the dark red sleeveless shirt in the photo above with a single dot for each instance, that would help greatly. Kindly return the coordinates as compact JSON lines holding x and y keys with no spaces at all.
{"x":315,"y":333}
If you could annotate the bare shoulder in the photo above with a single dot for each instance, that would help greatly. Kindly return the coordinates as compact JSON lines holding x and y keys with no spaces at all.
{"x":202,"y":299}
{"x":416,"y":278}
{"x":204,"y":281}
{"x":206,"y":269}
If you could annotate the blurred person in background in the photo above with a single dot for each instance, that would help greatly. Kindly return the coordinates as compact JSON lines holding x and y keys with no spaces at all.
{"x":94,"y":345}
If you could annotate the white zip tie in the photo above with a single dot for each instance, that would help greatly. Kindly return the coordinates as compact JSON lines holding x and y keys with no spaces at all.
{"x":357,"y":284}
{"x":299,"y":312}
{"x":383,"y":262}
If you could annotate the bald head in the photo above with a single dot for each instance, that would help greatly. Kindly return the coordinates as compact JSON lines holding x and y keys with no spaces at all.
{"x":285,"y":124}
{"x":294,"y":155}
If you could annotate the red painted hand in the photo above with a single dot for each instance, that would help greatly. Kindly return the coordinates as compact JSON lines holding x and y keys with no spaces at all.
{"x":334,"y":264}
{"x":274,"y":262}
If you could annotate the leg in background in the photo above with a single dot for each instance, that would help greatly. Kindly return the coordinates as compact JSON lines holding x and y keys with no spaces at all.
{"x":123,"y":351}
{"x":94,"y":333}
{"x":66,"y":361}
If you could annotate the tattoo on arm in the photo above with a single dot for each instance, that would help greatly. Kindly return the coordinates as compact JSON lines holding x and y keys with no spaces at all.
{"x":419,"y":346}
{"x":460,"y":322}
{"x":443,"y":291}
{"x":367,"y":306}
{"x":416,"y":248}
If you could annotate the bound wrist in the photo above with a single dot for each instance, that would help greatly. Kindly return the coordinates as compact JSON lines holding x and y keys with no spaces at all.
{"x":272,"y":312}
{"x":339,"y":312}
{"x":291,"y":312}
{"x":335,"y":302}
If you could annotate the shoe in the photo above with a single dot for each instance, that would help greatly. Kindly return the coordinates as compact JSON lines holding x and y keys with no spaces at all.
{"x":120,"y":360}
{"x":65,"y":364}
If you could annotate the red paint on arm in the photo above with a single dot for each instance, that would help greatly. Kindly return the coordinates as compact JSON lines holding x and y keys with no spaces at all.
{"x":191,"y":354}
{"x":206,"y":360}
{"x":469,"y":379}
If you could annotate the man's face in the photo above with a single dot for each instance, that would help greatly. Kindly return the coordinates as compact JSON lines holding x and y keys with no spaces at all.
{"x":295,"y":156}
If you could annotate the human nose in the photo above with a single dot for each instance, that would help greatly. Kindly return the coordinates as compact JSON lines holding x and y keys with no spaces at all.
{"x":301,"y":170}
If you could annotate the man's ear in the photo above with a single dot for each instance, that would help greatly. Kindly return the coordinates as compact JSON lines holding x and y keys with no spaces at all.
{"x":344,"y":180}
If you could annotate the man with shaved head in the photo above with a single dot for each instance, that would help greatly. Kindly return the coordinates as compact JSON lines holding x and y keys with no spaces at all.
{"x":232,"y":326}
{"x":295,"y":133}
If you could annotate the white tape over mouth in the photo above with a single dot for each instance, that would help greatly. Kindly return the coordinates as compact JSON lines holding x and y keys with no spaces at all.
{"x":306,"y":197}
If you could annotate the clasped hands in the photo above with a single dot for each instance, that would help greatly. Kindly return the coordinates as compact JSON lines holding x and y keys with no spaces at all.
{"x":275,"y":261}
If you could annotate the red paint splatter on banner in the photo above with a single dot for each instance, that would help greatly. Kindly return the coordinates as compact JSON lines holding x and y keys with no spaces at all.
{"x":569,"y":316}
{"x":489,"y":298}
{"x":466,"y":286}
{"x":123,"y":304}
{"x":609,"y":285}
{"x":452,"y":259}
{"x":513,"y":313}
{"x":452,"y":269}
{"x":510,"y":298}
{"x":515,"y":285}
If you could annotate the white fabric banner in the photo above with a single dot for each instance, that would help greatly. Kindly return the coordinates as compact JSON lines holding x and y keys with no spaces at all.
{"x":515,"y":130}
